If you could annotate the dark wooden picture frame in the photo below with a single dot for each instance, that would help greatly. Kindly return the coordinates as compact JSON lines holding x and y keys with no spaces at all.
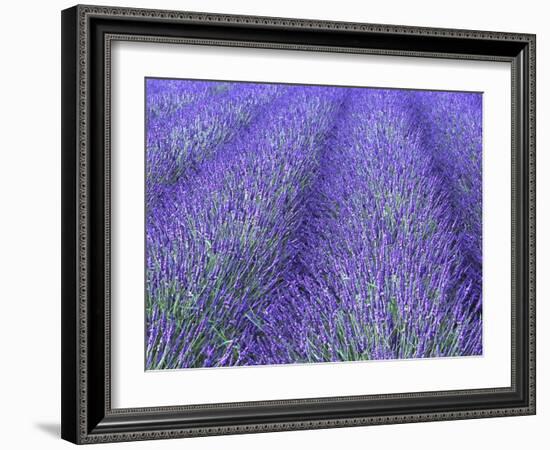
{"x":87,"y":34}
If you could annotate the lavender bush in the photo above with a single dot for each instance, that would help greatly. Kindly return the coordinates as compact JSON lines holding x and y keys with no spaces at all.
{"x":295,"y":224}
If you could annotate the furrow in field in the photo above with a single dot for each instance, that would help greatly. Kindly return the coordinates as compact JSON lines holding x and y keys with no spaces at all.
{"x":451,"y":125}
{"x":178,"y":142}
{"x":378,"y":259}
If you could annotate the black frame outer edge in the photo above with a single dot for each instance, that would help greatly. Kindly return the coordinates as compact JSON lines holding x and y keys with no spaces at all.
{"x":69,"y":144}
{"x":99,"y":420}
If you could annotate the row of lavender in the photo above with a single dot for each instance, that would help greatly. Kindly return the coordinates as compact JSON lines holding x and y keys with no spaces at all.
{"x":294,"y":224}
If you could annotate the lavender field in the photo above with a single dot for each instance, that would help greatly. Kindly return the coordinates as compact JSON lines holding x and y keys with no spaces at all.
{"x":301,"y":224}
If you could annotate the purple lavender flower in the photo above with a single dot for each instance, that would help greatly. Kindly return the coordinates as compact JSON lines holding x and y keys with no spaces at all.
{"x":309,"y":224}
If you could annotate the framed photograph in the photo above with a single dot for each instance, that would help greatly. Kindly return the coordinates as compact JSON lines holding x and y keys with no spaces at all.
{"x":279,"y":224}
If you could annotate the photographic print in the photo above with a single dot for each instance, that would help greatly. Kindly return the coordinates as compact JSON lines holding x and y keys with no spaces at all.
{"x":308,"y":224}
{"x":277,"y":204}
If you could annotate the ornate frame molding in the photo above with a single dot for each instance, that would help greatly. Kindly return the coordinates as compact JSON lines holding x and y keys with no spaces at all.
{"x":77,"y":425}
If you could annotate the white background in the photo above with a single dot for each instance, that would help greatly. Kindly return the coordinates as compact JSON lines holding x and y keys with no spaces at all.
{"x":132,"y":387}
{"x":30,"y":187}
